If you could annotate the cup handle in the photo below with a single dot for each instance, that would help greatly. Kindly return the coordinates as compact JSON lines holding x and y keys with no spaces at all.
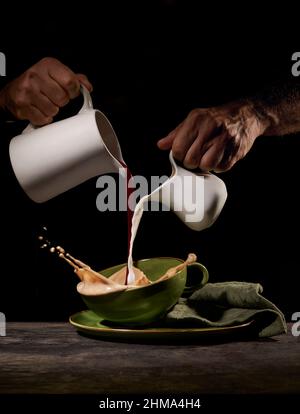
{"x":87,"y":106}
{"x":188,"y":290}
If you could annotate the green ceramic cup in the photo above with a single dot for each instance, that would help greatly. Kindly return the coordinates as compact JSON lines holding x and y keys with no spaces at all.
{"x":146,"y":304}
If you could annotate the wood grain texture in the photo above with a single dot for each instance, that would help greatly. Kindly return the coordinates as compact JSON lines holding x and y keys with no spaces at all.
{"x":51,"y":358}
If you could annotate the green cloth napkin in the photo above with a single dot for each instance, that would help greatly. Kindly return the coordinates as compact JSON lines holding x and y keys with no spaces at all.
{"x":228,"y":304}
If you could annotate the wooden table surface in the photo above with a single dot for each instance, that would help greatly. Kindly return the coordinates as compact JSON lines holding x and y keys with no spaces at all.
{"x":52,"y":358}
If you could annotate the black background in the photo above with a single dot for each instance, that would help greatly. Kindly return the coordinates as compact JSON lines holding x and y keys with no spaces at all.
{"x":150,"y":64}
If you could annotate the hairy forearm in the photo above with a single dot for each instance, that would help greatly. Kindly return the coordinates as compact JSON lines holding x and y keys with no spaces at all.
{"x":279,"y":108}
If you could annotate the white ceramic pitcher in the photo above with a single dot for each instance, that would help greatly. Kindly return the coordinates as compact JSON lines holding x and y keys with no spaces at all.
{"x":50,"y":160}
{"x":196,"y":198}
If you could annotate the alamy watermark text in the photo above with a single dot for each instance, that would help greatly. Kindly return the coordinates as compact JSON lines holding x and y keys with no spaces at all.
{"x":2,"y":324}
{"x":2,"y":64}
{"x":181,"y":193}
{"x":296,"y":325}
{"x":296,"y":66}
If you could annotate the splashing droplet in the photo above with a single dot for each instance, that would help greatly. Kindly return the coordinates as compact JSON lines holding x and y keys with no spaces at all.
{"x":60,"y":249}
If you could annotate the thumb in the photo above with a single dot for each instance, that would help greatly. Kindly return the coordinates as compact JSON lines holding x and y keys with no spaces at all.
{"x":166,"y":143}
{"x":84,"y":81}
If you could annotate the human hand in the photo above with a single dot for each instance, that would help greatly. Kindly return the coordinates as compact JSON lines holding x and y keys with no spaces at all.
{"x":215,"y":138}
{"x":39,"y":93}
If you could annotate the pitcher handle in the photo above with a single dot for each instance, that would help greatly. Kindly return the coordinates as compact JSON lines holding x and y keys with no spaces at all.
{"x":87,"y":100}
{"x":86,"y":106}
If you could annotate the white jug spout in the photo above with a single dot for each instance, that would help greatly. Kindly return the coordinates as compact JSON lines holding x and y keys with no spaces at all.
{"x":110,"y":157}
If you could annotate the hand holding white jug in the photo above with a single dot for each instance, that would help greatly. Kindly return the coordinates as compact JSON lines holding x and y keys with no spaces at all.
{"x":52,"y":159}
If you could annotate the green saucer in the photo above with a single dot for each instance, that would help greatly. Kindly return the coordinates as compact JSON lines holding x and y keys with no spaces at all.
{"x":89,"y":323}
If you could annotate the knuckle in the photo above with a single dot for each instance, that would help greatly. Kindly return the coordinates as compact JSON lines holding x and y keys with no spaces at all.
{"x":82,"y":77}
{"x":48,"y":61}
{"x":230,"y":135}
{"x":232,"y":145}
{"x":62,"y":100}
{"x":234,"y":138}
{"x":194,"y":113}
{"x":206,"y":165}
{"x":21,"y":100}
{"x":25,"y":82}
{"x":177,"y":151}
{"x":70,"y":83}
{"x":227,"y":165}
{"x":29,"y":75}
{"x":191,"y":160}
{"x":25,"y":89}
{"x":19,"y":114}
